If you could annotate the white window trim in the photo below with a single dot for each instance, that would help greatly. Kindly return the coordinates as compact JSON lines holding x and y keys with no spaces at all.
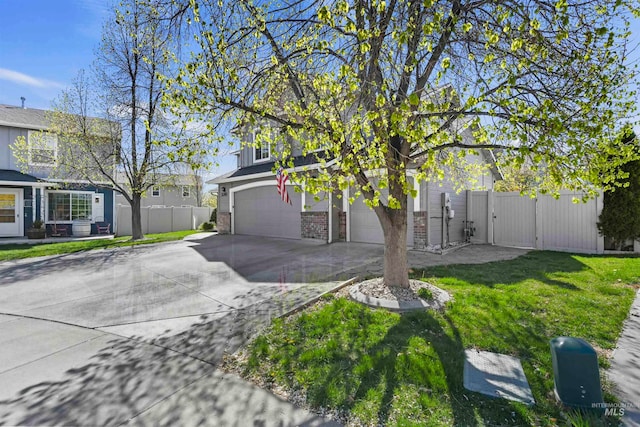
{"x":30,"y":149}
{"x":153,"y":190}
{"x":254,"y":149}
{"x":46,"y":205}
{"x":266,"y":159}
{"x":188,"y":187}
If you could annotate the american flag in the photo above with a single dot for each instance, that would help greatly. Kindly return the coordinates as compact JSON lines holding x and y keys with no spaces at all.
{"x":281,"y":184}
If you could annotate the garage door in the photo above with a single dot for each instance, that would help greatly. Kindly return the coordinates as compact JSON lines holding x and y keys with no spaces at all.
{"x":260,"y":212}
{"x":365,"y":226}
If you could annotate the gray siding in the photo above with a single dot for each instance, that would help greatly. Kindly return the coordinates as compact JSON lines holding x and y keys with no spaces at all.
{"x":246,"y":156}
{"x":458,"y":204}
{"x":7,"y":138}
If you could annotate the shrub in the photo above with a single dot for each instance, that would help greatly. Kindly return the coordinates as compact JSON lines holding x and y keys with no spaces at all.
{"x":206,"y":226}
{"x":214,"y":215}
{"x":37,"y":224}
{"x":425,"y":294}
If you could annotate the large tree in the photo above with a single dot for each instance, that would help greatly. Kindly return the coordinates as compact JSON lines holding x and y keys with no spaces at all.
{"x":375,"y":87}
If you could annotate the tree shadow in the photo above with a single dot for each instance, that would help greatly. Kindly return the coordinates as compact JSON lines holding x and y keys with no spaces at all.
{"x":423,"y":352}
{"x":536,"y":265}
{"x":169,"y":380}
{"x":87,"y":261}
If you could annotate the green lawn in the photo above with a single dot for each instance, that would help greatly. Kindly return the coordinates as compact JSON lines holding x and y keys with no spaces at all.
{"x":18,"y":251}
{"x":406,"y":370}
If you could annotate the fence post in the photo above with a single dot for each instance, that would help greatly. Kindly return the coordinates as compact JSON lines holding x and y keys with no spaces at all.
{"x":490,"y":239}
{"x":539,"y":218}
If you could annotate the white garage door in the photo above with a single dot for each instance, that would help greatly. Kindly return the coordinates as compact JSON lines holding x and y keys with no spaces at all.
{"x":260,"y":212}
{"x":365,"y":226}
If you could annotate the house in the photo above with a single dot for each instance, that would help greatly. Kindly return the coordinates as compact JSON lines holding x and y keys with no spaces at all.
{"x":33,"y":194}
{"x":171,"y":190}
{"x":248,"y":203}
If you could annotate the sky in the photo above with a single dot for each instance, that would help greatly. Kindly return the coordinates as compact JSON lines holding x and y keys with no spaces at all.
{"x":43,"y":46}
{"x":45,"y":43}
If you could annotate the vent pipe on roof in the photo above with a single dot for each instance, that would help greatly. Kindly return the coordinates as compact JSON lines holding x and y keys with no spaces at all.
{"x":22,"y":98}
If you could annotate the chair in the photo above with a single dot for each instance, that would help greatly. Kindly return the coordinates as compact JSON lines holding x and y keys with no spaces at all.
{"x":59,"y":230}
{"x":104,"y":228}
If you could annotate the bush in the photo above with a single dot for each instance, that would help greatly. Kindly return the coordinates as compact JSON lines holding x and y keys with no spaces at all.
{"x":37,"y":224}
{"x":214,"y":215}
{"x":620,"y":216}
{"x":206,"y":226}
{"x":425,"y":294}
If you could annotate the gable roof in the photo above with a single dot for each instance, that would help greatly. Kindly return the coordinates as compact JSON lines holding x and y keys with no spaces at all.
{"x":19,"y":179}
{"x":265,"y":168}
{"x":13,"y":175}
{"x":26,"y":118}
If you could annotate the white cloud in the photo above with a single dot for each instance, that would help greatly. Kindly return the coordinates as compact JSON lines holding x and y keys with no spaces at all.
{"x":27,"y":80}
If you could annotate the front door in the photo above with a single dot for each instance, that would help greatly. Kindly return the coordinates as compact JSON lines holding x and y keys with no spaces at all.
{"x":10,"y":212}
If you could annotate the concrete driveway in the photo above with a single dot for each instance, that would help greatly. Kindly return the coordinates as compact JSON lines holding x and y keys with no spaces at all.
{"x":134,"y":335}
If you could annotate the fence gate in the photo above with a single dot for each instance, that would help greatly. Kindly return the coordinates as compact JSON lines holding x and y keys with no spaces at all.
{"x":514,"y":220}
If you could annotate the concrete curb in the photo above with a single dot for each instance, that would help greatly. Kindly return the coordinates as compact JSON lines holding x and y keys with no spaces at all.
{"x":393,"y":305}
{"x":317,"y":298}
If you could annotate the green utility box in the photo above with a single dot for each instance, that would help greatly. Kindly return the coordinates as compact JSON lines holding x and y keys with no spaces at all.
{"x":575,"y":372}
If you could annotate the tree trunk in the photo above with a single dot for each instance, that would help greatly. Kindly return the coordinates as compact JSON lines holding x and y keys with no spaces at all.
{"x":394,"y":227}
{"x":136,"y":218}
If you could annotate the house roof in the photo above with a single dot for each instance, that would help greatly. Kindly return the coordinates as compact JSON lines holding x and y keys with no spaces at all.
{"x":26,"y":118}
{"x":310,"y":159}
{"x":13,"y":175}
{"x":18,"y":179}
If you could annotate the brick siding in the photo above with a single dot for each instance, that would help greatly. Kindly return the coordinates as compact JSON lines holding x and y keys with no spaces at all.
{"x":223,"y":222}
{"x":342,"y":233}
{"x":314,"y":225}
{"x":420,"y":230}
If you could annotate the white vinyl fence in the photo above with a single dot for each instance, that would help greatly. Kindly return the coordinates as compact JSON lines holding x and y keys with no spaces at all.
{"x":161,"y":220}
{"x":508,"y":219}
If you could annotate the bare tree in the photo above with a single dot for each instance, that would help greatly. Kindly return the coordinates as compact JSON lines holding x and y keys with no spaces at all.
{"x":112,"y":129}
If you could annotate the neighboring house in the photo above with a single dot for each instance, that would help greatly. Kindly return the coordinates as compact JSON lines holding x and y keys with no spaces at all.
{"x":179,"y":190}
{"x":248,"y":203}
{"x":26,"y":196}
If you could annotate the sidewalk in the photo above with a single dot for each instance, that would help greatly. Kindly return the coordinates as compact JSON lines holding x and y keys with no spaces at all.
{"x":60,"y":374}
{"x":625,"y":366}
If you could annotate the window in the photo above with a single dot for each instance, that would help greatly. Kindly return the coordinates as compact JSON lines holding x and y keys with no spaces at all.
{"x":261,"y":153}
{"x":43,"y":148}
{"x":68,"y":206}
{"x":7,"y":208}
{"x":155,"y":191}
{"x":186,"y":191}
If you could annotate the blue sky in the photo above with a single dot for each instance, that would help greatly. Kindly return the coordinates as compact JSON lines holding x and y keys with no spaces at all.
{"x":44,"y":43}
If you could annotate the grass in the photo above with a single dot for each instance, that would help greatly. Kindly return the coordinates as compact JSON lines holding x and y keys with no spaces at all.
{"x":381,"y":368}
{"x":19,"y":251}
